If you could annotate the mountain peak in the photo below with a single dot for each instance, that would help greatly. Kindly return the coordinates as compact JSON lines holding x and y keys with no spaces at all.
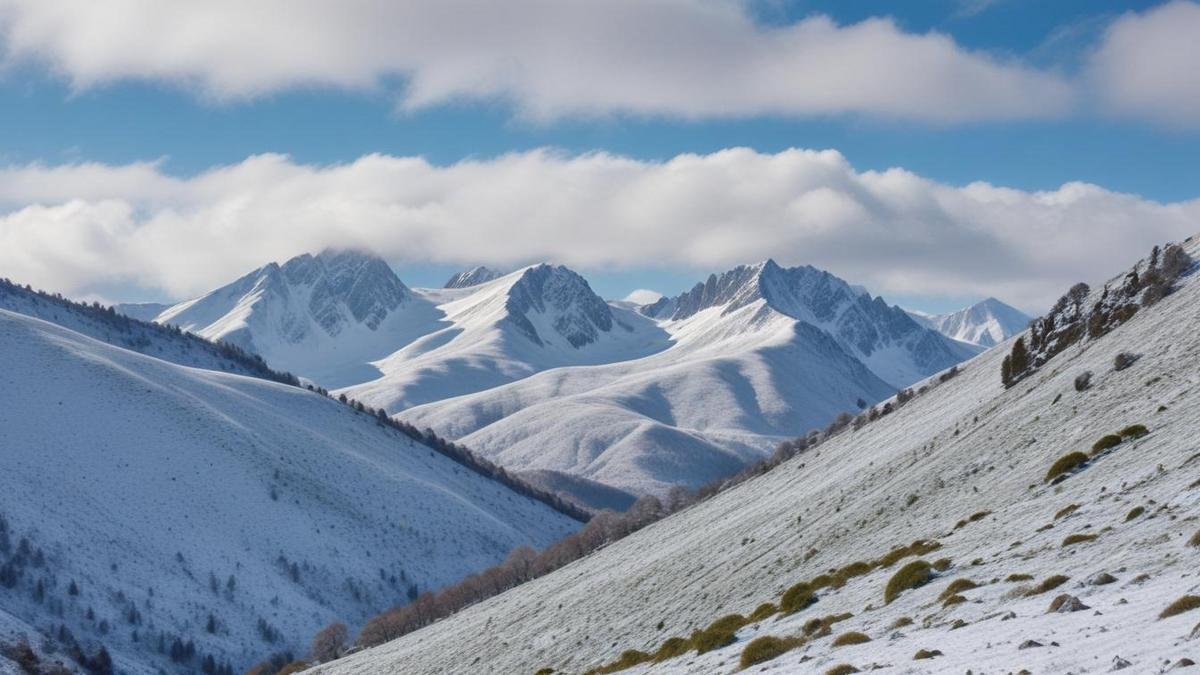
{"x":564,"y":299}
{"x":473,"y":277}
{"x":985,"y":323}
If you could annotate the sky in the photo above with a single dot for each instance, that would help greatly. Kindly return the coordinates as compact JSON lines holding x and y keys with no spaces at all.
{"x":936,"y":151}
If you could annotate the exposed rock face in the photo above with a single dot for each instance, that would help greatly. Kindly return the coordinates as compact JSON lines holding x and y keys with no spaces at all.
{"x":473,"y":277}
{"x":364,"y":285}
{"x":565,"y":301}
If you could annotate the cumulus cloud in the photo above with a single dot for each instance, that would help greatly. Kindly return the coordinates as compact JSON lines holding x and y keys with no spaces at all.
{"x":77,"y":227}
{"x":1148,"y":65}
{"x":683,"y":58}
{"x":643,"y":296}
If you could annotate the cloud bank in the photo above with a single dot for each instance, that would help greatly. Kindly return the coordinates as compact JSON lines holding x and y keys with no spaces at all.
{"x":684,"y":58}
{"x":77,"y":227}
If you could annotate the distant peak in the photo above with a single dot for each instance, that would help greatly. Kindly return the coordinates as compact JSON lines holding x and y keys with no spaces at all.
{"x":473,"y":277}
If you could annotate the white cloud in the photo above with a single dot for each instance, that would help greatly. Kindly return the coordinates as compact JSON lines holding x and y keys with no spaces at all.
{"x":1148,"y":65}
{"x":684,"y":58}
{"x":643,"y":296}
{"x":74,"y":228}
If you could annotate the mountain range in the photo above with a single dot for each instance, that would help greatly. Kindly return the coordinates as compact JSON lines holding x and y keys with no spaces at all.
{"x":986,"y":323}
{"x":535,"y":371}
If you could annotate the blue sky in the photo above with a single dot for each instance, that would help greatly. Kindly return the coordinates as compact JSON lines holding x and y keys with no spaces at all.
{"x":63,"y":107}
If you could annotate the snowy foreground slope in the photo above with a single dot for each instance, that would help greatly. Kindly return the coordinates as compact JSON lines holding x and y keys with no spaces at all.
{"x":162,"y":502}
{"x":757,"y":355}
{"x":966,"y":447}
{"x":986,"y":323}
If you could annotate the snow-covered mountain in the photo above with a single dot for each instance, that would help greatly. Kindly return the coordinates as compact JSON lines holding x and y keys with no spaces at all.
{"x":537,"y":318}
{"x":941,"y":531}
{"x":473,"y":277}
{"x":325,"y":317}
{"x":144,"y":502}
{"x":755,"y":355}
{"x":986,"y":323}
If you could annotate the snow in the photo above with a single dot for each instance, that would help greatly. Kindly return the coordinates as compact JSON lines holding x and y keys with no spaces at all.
{"x":755,"y":356}
{"x":965,"y":447}
{"x":986,"y":323}
{"x":140,"y":479}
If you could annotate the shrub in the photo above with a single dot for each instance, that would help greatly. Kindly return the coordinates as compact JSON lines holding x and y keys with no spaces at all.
{"x":330,"y":642}
{"x":763,"y":611}
{"x":1107,"y":441}
{"x":718,"y":634}
{"x":1067,"y":463}
{"x":626,"y":660}
{"x":958,"y":585}
{"x":926,"y":654}
{"x":1019,"y":577}
{"x":941,"y":564}
{"x":823,"y":581}
{"x":1078,"y":538}
{"x":293,"y":667}
{"x":545,"y":671}
{"x":1134,"y":513}
{"x":1083,"y":381}
{"x":672,"y":647}
{"x":901,"y":623}
{"x":796,"y":598}
{"x":1066,"y":511}
{"x":851,"y":638}
{"x":1049,"y":584}
{"x":918,"y":547}
{"x":1185,"y":604}
{"x":1195,"y":540}
{"x":954,"y":600}
{"x":842,"y":669}
{"x":1124,"y":360}
{"x":765,"y":648}
{"x":912,"y":575}
{"x":1134,"y":431}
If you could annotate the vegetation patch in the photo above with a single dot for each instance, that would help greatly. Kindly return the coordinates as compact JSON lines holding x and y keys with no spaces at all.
{"x":1134,"y":431}
{"x":957,"y":586}
{"x":942,"y":564}
{"x":1185,"y":604}
{"x":1049,"y":583}
{"x":765,"y":648}
{"x":1134,"y":513}
{"x":902,"y":622}
{"x":923,"y":654}
{"x":672,"y":647}
{"x":1066,"y":511}
{"x":842,"y":669}
{"x":953,"y":600}
{"x":852,"y":638}
{"x":1019,"y":577}
{"x":1079,"y":539}
{"x":626,"y":660}
{"x":1195,"y":540}
{"x":1066,"y":463}
{"x":912,"y":575}
{"x":797,"y":598}
{"x":918,"y":547}
{"x":718,"y":634}
{"x":763,"y":611}
{"x":1105,"y":442}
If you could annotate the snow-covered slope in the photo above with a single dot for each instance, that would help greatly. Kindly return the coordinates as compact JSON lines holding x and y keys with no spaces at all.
{"x":165,"y":501}
{"x":142,"y":311}
{"x":963,"y":465}
{"x":757,"y":355}
{"x":473,"y":277}
{"x":531,"y":320}
{"x":324,"y":317}
{"x":986,"y":323}
{"x":109,"y":325}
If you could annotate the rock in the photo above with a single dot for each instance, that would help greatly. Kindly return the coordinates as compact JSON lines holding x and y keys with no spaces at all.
{"x":1008,"y":615}
{"x":1195,"y":632}
{"x":1185,"y":662}
{"x":1120,"y":663}
{"x":1066,"y":603}
{"x":1030,"y":644}
{"x":1100,"y":579}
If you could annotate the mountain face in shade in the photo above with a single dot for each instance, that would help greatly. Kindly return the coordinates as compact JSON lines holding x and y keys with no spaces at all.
{"x":986,"y":323}
{"x":473,"y":277}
